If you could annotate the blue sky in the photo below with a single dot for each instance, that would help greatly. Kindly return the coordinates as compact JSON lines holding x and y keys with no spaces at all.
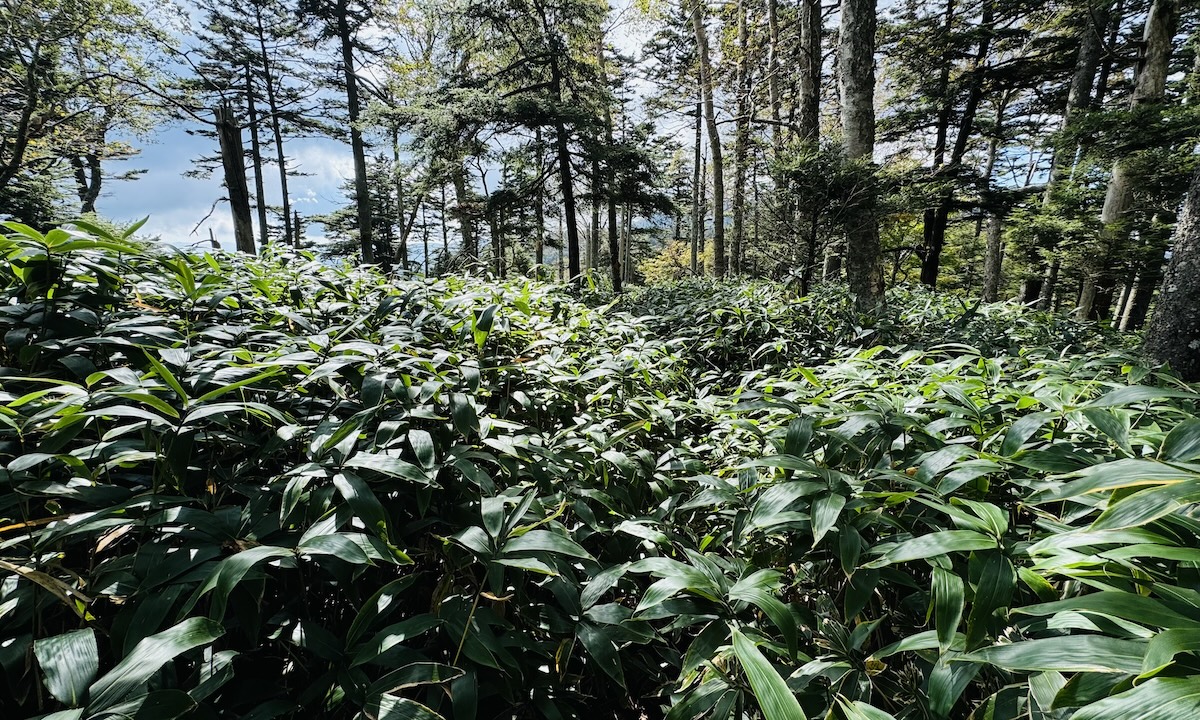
{"x":175,"y":203}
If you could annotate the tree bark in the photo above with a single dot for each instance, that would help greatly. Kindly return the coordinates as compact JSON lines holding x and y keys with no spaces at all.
{"x":1149,"y":87}
{"x":856,"y":66}
{"x":561,"y":142}
{"x":462,"y":211}
{"x":937,"y":218}
{"x":1174,"y":333}
{"x":289,"y":232}
{"x":714,"y":139}
{"x":88,"y":178}
{"x":741,"y":143}
{"x":256,"y":162}
{"x":229,"y":135}
{"x":362,"y":193}
{"x":810,"y":70}
{"x":992,"y":258}
{"x":698,"y":198}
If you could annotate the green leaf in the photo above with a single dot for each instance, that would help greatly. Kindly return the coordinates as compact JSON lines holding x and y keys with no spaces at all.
{"x":1111,"y":425}
{"x":1022,"y":430}
{"x":167,"y":377}
{"x":228,"y":573}
{"x":757,"y":589}
{"x":598,"y":643}
{"x":1147,"y":505}
{"x":70,"y":663}
{"x":1164,"y":646}
{"x":390,"y":466}
{"x":932,"y":545}
{"x":1075,"y":653}
{"x":363,"y":502}
{"x":481,"y":326}
{"x":859,"y":710}
{"x":775,"y":700}
{"x":1136,"y":394}
{"x":1156,"y":699}
{"x":1182,"y":444}
{"x":395,"y":708}
{"x":1125,"y":605}
{"x":335,"y":545}
{"x":147,"y":657}
{"x":997,"y":582}
{"x":545,"y":541}
{"x":825,"y":511}
{"x":1123,"y":473}
{"x":948,"y":594}
{"x":385,"y":599}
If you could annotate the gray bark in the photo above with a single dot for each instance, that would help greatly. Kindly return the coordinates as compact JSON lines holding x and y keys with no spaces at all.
{"x":714,"y":138}
{"x":362,"y":195}
{"x":256,"y":162}
{"x":856,"y":66}
{"x":992,"y":258}
{"x":810,"y":70}
{"x":1174,"y":332}
{"x":229,"y":135}
{"x":1149,"y":87}
{"x":741,"y":147}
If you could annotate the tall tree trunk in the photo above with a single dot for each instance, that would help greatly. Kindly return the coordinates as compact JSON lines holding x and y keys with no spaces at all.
{"x":561,"y":142}
{"x":233,"y":160}
{"x":741,"y":143}
{"x":88,"y":178}
{"x":810,"y":70}
{"x":938,"y":219}
{"x":462,"y":211}
{"x":856,"y":66}
{"x":773,"y":92}
{"x":256,"y":161}
{"x":539,"y":209}
{"x":1149,"y":87}
{"x":714,"y":138}
{"x":1092,"y":24}
{"x":698,"y":198}
{"x":614,"y":247}
{"x":592,"y":256}
{"x":992,"y":258}
{"x":289,"y":232}
{"x":362,"y":193}
{"x":398,"y":188}
{"x":1174,"y":332}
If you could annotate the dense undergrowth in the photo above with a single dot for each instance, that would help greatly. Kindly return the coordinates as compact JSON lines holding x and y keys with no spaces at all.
{"x":270,"y":488}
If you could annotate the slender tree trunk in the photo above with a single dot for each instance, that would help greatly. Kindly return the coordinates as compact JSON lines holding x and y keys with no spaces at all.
{"x":1149,"y":88}
{"x":1049,"y":284}
{"x":88,"y":178}
{"x":741,"y":147}
{"x":773,"y":92}
{"x":561,"y":142}
{"x":614,"y":247}
{"x":810,"y":70}
{"x":592,"y":256}
{"x":1079,"y":96}
{"x":256,"y":161}
{"x":938,"y":219}
{"x":992,"y":258}
{"x":462,"y":211}
{"x":398,"y":183}
{"x":539,"y":210}
{"x":233,"y":160}
{"x":714,"y":139}
{"x":289,"y":232}
{"x":362,"y":192}
{"x":856,"y":66}
{"x":1173,"y":335}
{"x":698,"y":198}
